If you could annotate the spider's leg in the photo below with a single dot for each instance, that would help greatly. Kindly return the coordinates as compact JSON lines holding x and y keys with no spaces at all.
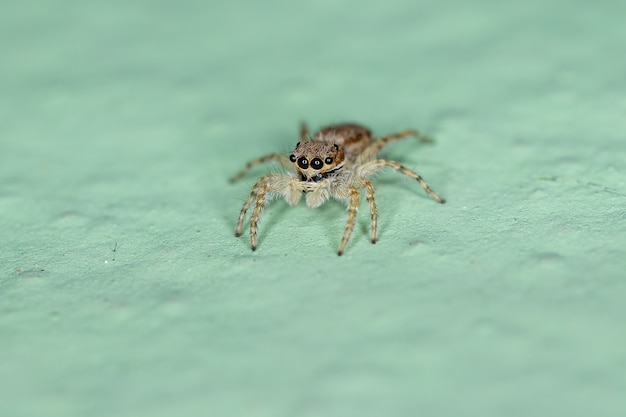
{"x":374,"y":149}
{"x":353,"y":207}
{"x":248,"y":202}
{"x":269,"y":185}
{"x":282,"y":159}
{"x":304,"y":132}
{"x":261,"y":200}
{"x":371,"y":167}
{"x":369,"y":196}
{"x":405,"y":133}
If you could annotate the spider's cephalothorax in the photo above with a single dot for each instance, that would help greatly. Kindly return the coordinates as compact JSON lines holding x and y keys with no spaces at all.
{"x":335,"y":162}
{"x":352,"y":138}
{"x":315,"y":161}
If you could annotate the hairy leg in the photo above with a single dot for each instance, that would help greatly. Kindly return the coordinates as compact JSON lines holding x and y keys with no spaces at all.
{"x":371,"y":167}
{"x":353,"y":207}
{"x":375,"y":148}
{"x":261,"y":200}
{"x":304,"y":132}
{"x":369,"y":196}
{"x":282,"y":159}
{"x":253,"y":195}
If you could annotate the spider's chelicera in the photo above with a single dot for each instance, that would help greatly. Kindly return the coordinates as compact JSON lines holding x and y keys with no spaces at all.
{"x":335,"y":162}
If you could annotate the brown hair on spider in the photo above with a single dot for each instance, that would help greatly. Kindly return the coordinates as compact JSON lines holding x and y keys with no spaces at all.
{"x":317,"y":160}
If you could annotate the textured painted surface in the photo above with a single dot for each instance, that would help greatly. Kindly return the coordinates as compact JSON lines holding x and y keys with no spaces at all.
{"x":124,"y":292}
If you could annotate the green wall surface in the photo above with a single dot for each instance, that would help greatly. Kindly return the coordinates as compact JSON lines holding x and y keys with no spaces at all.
{"x":123,"y":291}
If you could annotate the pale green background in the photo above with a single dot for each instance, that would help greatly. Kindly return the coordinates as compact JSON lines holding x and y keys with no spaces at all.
{"x":121,"y":121}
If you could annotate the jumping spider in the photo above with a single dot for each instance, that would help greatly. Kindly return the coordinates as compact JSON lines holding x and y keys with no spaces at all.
{"x":335,"y":162}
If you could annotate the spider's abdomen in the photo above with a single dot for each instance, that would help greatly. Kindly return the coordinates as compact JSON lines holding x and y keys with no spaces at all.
{"x":351,"y":137}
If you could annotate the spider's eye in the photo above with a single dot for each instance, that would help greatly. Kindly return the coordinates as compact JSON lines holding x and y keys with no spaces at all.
{"x":316,"y":163}
{"x":328,"y":160}
{"x":303,"y":163}
{"x":292,"y":158}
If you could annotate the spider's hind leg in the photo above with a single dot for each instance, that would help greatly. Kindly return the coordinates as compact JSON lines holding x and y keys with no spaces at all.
{"x":375,"y":148}
{"x":304,"y":132}
{"x":404,"y":134}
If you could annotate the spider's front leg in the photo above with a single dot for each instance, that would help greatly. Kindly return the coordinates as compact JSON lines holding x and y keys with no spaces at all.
{"x":271,"y":184}
{"x":351,"y":193}
{"x":261,"y":200}
{"x":244,"y":209}
{"x":353,"y":207}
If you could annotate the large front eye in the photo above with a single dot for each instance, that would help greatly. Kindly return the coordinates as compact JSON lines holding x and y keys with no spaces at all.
{"x":316,"y":163}
{"x":303,"y":163}
{"x":292,"y":158}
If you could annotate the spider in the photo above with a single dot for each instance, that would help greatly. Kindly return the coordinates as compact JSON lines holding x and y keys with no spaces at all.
{"x":335,"y":162}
